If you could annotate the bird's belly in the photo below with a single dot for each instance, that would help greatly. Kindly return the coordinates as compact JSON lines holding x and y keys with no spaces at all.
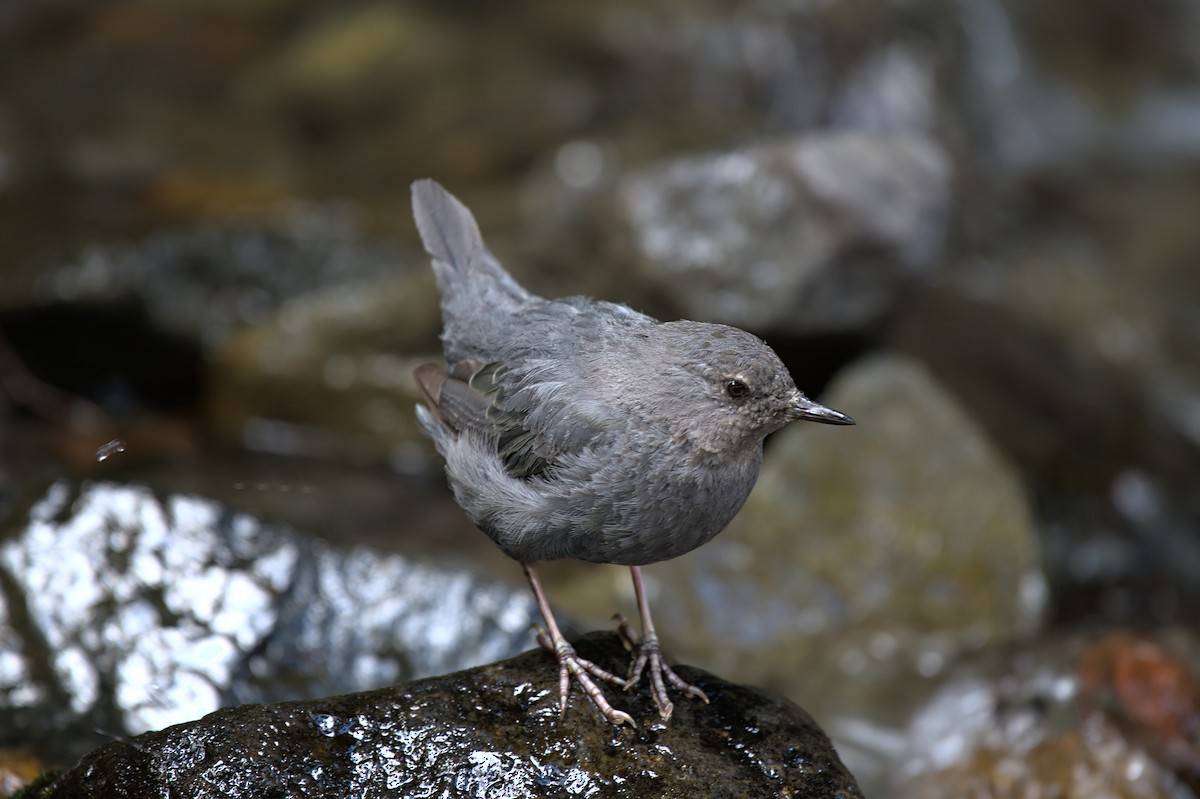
{"x":599,"y":511}
{"x":664,"y":516}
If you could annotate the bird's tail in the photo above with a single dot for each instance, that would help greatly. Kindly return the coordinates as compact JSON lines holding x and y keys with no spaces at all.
{"x":470,"y":279}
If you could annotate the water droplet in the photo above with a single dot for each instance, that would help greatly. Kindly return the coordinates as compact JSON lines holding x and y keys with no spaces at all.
{"x":108,"y":450}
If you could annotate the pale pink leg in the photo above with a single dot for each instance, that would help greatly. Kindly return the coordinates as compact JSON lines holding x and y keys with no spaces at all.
{"x":646,"y":652}
{"x":569,"y":663}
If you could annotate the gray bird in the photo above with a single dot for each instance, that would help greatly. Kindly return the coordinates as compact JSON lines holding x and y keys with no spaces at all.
{"x":581,"y":429}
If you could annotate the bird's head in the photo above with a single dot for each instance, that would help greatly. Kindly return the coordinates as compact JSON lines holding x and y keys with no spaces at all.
{"x":725,"y":390}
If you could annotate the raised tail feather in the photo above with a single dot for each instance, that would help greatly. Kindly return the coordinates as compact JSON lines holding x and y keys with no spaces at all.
{"x":469,"y":277}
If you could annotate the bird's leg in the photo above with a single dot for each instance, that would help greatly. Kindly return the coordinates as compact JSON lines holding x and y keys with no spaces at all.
{"x":646,"y":653}
{"x":569,"y":663}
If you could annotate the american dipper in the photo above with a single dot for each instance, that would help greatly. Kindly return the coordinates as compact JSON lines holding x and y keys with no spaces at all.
{"x":581,"y":429}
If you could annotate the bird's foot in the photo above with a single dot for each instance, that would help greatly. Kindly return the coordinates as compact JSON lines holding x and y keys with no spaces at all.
{"x":571,"y":665}
{"x":647,"y":656}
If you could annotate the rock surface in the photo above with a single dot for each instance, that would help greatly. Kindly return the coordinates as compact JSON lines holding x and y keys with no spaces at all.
{"x":814,"y":235}
{"x":493,"y":731}
{"x":1114,"y":714}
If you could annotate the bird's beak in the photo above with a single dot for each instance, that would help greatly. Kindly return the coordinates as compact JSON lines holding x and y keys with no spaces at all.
{"x":804,"y":408}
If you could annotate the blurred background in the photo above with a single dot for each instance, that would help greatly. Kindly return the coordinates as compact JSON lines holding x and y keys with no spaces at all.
{"x":973,"y":225}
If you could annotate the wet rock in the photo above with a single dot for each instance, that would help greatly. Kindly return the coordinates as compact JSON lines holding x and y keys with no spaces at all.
{"x":202,"y":284}
{"x":124,"y":611}
{"x":866,"y":560}
{"x":1148,"y":686}
{"x":1043,"y":721}
{"x":1092,"y":761}
{"x":490,"y":731}
{"x":821,"y":234}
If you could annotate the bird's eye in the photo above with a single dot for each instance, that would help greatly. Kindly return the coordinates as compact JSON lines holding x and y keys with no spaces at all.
{"x":737,"y":389}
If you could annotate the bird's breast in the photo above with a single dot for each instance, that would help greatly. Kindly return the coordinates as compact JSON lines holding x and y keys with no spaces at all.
{"x":673,"y":506}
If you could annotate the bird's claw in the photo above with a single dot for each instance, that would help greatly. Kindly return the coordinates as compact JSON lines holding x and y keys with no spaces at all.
{"x":647,"y":653}
{"x":570,"y":664}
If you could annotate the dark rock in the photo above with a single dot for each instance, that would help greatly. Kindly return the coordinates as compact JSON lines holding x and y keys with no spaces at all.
{"x":490,"y":731}
{"x":203,"y":283}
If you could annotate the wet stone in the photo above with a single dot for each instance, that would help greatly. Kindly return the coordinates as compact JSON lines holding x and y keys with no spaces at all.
{"x":204,"y":283}
{"x":491,"y":731}
{"x":1081,"y":715}
{"x":817,"y":234}
{"x":124,"y":611}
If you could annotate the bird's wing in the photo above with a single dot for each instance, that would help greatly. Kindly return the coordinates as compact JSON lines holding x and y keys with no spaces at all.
{"x":531,"y":421}
{"x":538,"y":420}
